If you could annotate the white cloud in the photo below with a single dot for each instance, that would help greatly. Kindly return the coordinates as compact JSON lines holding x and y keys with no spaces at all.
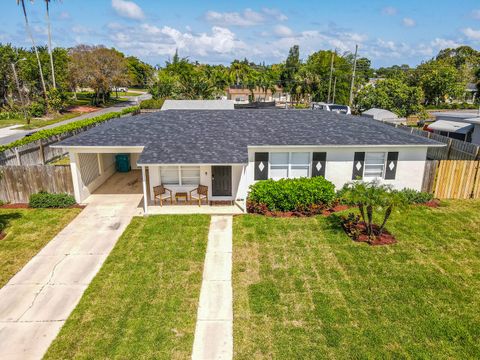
{"x":476,"y":14}
{"x":389,"y":10}
{"x":472,"y":34}
{"x":275,"y":13}
{"x":247,"y":18}
{"x":282,"y":31}
{"x":409,"y":22}
{"x":150,"y":40}
{"x":128,"y":9}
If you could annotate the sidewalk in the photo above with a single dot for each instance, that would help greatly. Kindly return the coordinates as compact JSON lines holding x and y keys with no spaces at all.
{"x":214,"y":329}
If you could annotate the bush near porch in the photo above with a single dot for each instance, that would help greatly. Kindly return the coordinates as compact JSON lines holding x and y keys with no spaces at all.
{"x":304,"y":195}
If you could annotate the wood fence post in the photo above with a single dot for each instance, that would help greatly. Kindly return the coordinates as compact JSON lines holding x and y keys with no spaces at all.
{"x":42,"y":153}
{"x":449,"y":148}
{"x":17,"y":155}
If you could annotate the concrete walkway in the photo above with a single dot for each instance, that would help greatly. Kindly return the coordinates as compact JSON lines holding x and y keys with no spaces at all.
{"x":35,"y":303}
{"x":214,"y":328}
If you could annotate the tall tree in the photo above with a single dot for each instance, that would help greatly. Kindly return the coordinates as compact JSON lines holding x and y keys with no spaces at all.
{"x":29,"y":32}
{"x":50,"y":50}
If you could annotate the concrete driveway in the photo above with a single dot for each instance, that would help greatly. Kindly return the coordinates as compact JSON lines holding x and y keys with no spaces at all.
{"x":35,"y":303}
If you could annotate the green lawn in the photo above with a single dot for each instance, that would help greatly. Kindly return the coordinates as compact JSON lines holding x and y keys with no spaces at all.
{"x":38,"y":122}
{"x":143,"y":302}
{"x":304,"y":290}
{"x":28,"y":230}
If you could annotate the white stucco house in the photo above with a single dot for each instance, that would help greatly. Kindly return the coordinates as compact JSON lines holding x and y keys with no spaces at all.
{"x":227,"y":150}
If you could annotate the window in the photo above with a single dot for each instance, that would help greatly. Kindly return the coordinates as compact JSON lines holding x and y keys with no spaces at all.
{"x":289,"y":165}
{"x":278,"y":166}
{"x":299,"y":165}
{"x":374,"y":165}
{"x":190,"y":175}
{"x":180,"y":175}
{"x":169,"y":175}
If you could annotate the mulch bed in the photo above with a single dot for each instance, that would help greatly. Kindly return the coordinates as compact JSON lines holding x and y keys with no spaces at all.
{"x":83,"y":109}
{"x":384,"y":239}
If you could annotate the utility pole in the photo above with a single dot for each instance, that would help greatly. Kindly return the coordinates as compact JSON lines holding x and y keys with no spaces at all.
{"x":331,"y":74}
{"x":353,"y":76}
{"x":334,"y":89}
{"x":19,"y":90}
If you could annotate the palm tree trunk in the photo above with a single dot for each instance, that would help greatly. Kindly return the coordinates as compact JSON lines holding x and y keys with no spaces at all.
{"x":50,"y":50}
{"x":388,"y":212}
{"x":362,"y":213}
{"x":29,"y":32}
{"x":370,"y":219}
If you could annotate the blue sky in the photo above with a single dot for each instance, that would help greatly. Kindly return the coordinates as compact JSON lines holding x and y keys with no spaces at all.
{"x":388,"y":32}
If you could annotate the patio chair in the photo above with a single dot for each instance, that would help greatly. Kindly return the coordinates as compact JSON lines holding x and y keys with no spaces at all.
{"x":160,"y":193}
{"x":199,"y":194}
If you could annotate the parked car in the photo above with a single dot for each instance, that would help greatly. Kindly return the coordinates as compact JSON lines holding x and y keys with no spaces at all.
{"x":340,"y":109}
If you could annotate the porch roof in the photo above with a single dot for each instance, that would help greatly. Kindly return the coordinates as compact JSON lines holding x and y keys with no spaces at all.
{"x":223,"y":136}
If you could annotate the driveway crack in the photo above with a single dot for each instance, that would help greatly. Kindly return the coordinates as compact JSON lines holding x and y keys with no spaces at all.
{"x":43,"y":287}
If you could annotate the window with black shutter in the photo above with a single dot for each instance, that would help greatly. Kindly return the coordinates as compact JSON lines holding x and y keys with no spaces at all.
{"x":261,"y":166}
{"x":358,"y":165}
{"x":319,"y":162}
{"x":391,"y":169}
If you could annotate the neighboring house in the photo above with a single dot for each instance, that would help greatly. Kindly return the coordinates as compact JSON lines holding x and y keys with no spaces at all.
{"x":229,"y":150}
{"x":243,"y":95}
{"x":198,"y":105}
{"x":383,"y":115}
{"x":460,"y":125}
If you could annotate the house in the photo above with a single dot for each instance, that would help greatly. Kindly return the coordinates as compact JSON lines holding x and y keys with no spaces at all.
{"x":198,"y":105}
{"x":383,"y":115}
{"x":460,"y":125}
{"x":242,"y":95}
{"x":229,"y":150}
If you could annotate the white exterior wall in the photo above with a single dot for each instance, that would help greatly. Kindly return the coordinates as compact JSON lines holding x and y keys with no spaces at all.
{"x":339,"y":164}
{"x":205,"y":179}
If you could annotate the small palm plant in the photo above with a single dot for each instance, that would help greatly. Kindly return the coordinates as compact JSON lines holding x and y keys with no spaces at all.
{"x":370,"y":197}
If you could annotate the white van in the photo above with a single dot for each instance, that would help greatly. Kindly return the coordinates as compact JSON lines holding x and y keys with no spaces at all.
{"x":339,"y":109}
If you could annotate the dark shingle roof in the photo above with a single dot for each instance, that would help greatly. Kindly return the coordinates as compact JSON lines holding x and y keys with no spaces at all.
{"x":222,"y":136}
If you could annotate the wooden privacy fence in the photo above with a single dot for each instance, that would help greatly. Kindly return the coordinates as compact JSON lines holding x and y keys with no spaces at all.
{"x":452,"y":179}
{"x":17,"y":183}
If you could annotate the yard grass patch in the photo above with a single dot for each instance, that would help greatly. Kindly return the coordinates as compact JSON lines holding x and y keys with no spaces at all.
{"x":304,"y":290}
{"x":28,"y":230}
{"x":143,"y":302}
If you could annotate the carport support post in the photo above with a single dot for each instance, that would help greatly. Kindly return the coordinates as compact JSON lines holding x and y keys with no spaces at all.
{"x":145,"y":199}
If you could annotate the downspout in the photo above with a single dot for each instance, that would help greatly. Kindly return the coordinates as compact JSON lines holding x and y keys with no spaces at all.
{"x":145,"y":199}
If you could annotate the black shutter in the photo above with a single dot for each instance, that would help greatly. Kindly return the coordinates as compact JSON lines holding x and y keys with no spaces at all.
{"x":391,"y":168}
{"x":261,"y":166}
{"x":358,"y":165}
{"x":319,"y":161}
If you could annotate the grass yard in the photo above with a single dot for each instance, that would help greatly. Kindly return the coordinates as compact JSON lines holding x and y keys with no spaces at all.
{"x":28,"y":230}
{"x":143,"y":302}
{"x":304,"y":290}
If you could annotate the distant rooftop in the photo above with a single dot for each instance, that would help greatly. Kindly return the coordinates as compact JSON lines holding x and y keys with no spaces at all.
{"x":198,"y":105}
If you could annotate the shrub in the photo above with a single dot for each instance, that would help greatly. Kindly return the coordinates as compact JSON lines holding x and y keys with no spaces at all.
{"x":46,"y":200}
{"x":292,"y":194}
{"x":37,"y":109}
{"x":152,"y":104}
{"x":8,"y":115}
{"x":411,"y":196}
{"x":43,"y":134}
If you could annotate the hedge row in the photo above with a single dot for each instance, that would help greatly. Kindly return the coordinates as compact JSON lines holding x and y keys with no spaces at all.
{"x":152,"y":104}
{"x":44,"y":134}
{"x":45,"y":200}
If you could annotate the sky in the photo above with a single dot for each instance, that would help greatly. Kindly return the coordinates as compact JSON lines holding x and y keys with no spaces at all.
{"x":217,"y":32}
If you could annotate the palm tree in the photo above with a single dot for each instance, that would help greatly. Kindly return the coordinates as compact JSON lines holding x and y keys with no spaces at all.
{"x":50,"y":51}
{"x":29,"y":32}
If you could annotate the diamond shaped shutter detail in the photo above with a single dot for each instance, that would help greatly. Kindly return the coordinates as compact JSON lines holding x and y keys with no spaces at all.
{"x":319,"y":162}
{"x":358,"y":165}
{"x":261,"y":166}
{"x":391,"y":168}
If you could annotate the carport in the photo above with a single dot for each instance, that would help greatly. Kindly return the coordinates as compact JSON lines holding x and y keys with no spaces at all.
{"x":94,"y":171}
